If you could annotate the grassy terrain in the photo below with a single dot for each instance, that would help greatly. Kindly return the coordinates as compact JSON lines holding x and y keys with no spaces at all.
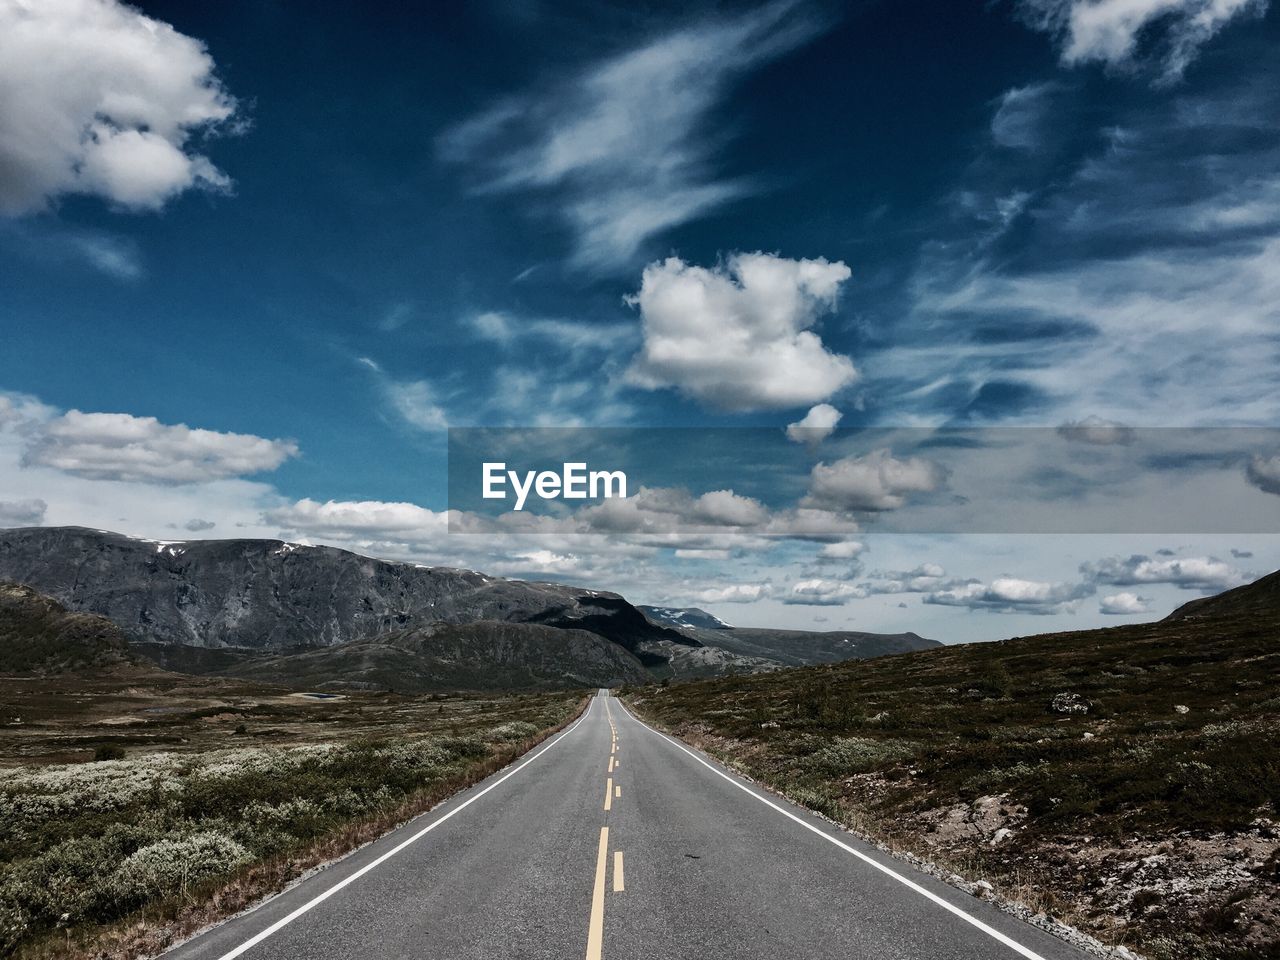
{"x":131,"y":815}
{"x":1126,"y":781}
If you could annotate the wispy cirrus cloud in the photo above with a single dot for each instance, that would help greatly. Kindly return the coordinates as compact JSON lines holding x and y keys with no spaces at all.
{"x":625,"y":148}
{"x":1165,"y":35}
{"x":1143,"y":233}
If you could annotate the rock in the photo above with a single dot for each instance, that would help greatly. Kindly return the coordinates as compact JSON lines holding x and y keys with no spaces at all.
{"x":1001,"y":835}
{"x":1069,"y":703}
{"x":1181,"y":708}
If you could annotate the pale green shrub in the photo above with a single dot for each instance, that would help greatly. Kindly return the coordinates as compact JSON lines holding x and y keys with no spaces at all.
{"x":171,"y":866}
{"x":844,"y":756}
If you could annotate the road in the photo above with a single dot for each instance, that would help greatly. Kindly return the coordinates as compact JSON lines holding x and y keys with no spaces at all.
{"x":613,"y":840}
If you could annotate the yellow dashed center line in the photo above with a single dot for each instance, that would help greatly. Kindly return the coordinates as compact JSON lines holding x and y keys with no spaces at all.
{"x":618,"y":885}
{"x":595,"y":931}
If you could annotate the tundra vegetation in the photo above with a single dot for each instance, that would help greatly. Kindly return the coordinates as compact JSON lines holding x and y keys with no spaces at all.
{"x":131,"y":815}
{"x":1124,"y":781}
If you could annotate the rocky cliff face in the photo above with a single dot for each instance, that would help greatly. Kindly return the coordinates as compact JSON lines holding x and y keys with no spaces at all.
{"x":275,"y":596}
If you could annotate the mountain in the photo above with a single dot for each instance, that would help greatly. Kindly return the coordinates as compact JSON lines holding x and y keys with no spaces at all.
{"x":38,"y":635}
{"x":321,"y":615}
{"x":485,"y":655}
{"x":268,"y":595}
{"x":1258,"y":600}
{"x":681,"y":617}
{"x":722,"y":648}
{"x":797,"y":648}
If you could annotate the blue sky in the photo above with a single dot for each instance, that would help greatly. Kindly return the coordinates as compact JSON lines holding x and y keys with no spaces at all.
{"x":304,"y":240}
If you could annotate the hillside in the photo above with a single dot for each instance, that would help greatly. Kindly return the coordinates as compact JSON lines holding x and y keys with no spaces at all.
{"x":485,"y":655}
{"x":38,"y":635}
{"x":721,"y":648}
{"x":1259,"y":600}
{"x":1125,"y":780}
{"x":273,"y":596}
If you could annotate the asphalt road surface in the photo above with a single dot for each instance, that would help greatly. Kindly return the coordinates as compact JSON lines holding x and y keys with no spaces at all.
{"x":613,"y":840}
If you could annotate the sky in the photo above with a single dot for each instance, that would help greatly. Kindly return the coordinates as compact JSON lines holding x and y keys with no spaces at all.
{"x":257,"y":258}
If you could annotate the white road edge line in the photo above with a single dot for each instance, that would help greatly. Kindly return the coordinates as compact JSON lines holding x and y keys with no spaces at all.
{"x":316,"y":901}
{"x":871,"y":861}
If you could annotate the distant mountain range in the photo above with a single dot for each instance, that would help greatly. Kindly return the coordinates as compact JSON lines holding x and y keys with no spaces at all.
{"x":683,"y":618}
{"x":308,"y":614}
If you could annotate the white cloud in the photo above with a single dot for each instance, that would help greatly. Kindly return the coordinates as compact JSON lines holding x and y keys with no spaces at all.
{"x":627,"y":146}
{"x":734,"y":593}
{"x":1117,"y":32}
{"x":548,"y":562}
{"x":815,"y":426}
{"x":100,"y":99}
{"x":1191,"y":573}
{"x":370,"y":519}
{"x":820,"y":592}
{"x":120,"y":446}
{"x":843,"y":550}
{"x":873,"y":481}
{"x":926,"y":578}
{"x":1011,"y":595}
{"x":1264,"y":472}
{"x":22,"y":513}
{"x":674,"y":510}
{"x":738,"y":337}
{"x":1096,"y":431}
{"x":1121,"y":604}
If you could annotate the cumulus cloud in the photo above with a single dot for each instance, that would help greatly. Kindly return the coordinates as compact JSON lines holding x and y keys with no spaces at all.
{"x":22,"y":513}
{"x":196,"y":525}
{"x":1264,"y":472}
{"x":1190,"y":573}
{"x":1096,"y":431}
{"x":738,"y":336}
{"x":672,"y":509}
{"x":1012,"y":595}
{"x":100,"y":99}
{"x":872,"y":481}
{"x":734,"y":593}
{"x":842,"y":550}
{"x":1121,"y":604}
{"x":816,"y":425}
{"x":925,"y":578}
{"x":370,"y":519}
{"x":120,"y":446}
{"x":1123,"y":33}
{"x":626,"y":147}
{"x":820,"y":592}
